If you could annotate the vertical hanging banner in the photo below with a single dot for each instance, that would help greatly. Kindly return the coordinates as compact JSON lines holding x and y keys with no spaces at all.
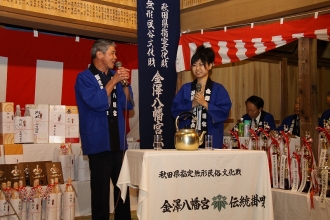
{"x":158,"y":36}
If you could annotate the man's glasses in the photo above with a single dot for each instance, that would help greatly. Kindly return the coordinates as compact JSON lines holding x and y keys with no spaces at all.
{"x":251,"y":110}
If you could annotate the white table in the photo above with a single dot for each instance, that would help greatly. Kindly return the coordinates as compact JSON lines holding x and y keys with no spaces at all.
{"x":159,"y":197}
{"x":291,"y":206}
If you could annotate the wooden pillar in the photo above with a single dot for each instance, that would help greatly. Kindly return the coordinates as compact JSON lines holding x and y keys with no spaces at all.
{"x":284,"y":89}
{"x":324,"y":88}
{"x":308,"y":90}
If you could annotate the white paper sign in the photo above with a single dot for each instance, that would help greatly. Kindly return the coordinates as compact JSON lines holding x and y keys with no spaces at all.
{"x":295,"y":175}
{"x":304,"y":167}
{"x":282,"y":171}
{"x":274,"y":170}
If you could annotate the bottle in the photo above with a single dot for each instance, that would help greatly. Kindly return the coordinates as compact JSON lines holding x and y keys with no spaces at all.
{"x":63,"y":149}
{"x":241,"y":128}
{"x":20,"y":186}
{"x":18,"y":111}
{"x":36,"y":187}
{"x":23,"y":193}
{"x":69,"y":201}
{"x":69,"y":148}
{"x":9,"y":189}
{"x":27,"y":111}
{"x":3,"y":190}
{"x":56,"y":186}
{"x":246,"y":128}
{"x":16,"y":203}
{"x":3,"y":201}
{"x":27,"y":175}
{"x":15,"y":191}
{"x":35,"y":206}
{"x":51,"y":203}
{"x":52,"y":185}
{"x":57,"y":190}
{"x":68,"y":187}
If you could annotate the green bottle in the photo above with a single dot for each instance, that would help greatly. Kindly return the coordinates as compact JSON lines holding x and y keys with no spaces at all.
{"x":241,"y":128}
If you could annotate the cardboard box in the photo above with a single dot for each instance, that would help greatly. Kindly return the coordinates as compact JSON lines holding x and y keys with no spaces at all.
{"x":56,"y":124}
{"x":71,"y":124}
{"x":54,"y":170}
{"x":37,"y":170}
{"x":16,"y":173}
{"x":39,"y":114}
{"x":13,"y":153}
{"x":6,"y":123}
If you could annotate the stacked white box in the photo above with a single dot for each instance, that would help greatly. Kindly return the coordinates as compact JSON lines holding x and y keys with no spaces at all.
{"x":6,"y":123}
{"x":71,"y":124}
{"x":56,"y":123}
{"x":13,"y":153}
{"x":39,"y":114}
{"x":23,"y":130}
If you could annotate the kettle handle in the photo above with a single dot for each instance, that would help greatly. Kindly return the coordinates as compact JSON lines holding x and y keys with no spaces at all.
{"x":177,"y":118}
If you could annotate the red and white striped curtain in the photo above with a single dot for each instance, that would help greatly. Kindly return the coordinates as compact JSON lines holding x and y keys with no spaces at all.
{"x":236,"y":44}
{"x":42,"y":68}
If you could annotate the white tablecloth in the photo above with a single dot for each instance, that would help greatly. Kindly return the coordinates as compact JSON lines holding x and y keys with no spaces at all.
{"x":296,"y":206}
{"x":186,"y":184}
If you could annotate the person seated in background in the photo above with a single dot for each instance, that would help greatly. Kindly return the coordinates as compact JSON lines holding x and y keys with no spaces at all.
{"x":326,"y":113}
{"x":255,"y":113}
{"x":292,"y":121}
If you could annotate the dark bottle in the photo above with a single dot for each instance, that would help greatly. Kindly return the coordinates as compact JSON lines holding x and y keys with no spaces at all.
{"x":27,"y":175}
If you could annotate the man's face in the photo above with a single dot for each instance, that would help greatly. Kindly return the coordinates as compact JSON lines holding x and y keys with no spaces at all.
{"x":328,"y":101}
{"x":109,"y":57}
{"x":252,"y":110}
{"x":296,"y":106}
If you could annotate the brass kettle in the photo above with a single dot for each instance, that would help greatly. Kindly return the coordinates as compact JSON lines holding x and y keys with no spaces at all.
{"x":187,"y":138}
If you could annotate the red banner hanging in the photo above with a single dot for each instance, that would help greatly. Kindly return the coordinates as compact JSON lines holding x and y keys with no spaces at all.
{"x":236,"y":44}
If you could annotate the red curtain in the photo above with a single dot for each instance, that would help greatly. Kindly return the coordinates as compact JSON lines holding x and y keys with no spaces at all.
{"x":22,"y":50}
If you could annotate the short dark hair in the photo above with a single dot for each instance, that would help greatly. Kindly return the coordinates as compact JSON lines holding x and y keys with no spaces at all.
{"x":205,"y":54}
{"x":328,"y":94}
{"x":255,"y":100}
{"x":101,"y":45}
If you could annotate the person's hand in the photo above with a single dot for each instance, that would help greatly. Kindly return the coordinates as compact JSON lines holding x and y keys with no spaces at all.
{"x":199,"y":98}
{"x":122,"y":75}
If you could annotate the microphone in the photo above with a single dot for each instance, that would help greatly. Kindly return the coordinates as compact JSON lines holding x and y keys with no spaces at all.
{"x":198,"y":87}
{"x":124,"y":82}
{"x":119,"y":64}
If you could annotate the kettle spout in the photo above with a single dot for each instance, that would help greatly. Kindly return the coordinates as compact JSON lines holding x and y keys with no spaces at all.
{"x":201,"y":138}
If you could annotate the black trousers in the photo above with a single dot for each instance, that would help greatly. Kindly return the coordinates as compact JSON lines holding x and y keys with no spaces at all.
{"x":104,"y":166}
